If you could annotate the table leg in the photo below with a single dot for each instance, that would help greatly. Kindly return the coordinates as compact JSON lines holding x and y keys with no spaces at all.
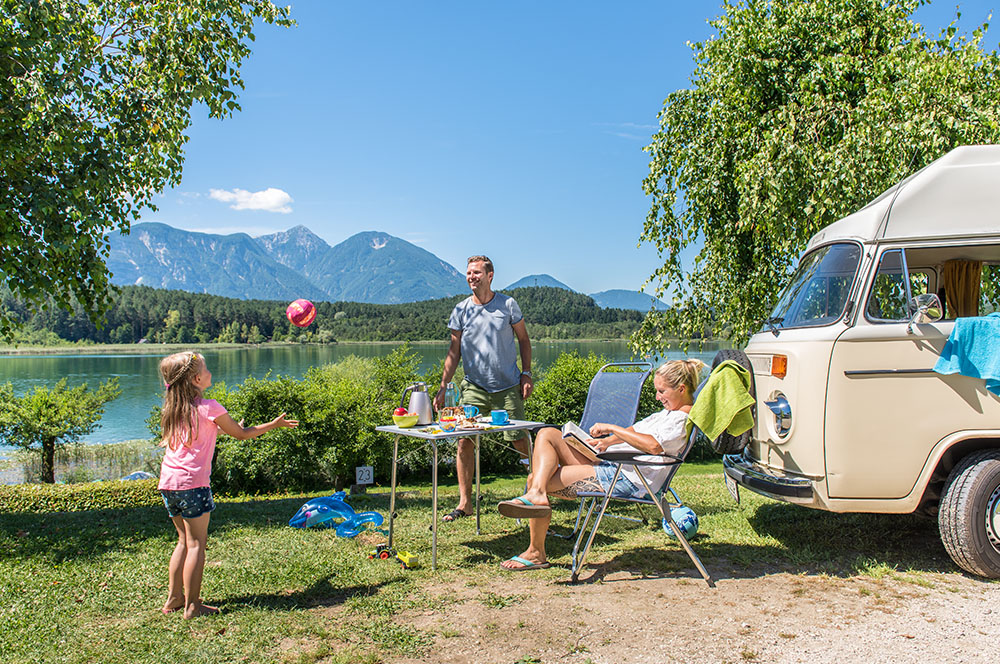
{"x":392,"y":489}
{"x":477,"y":484}
{"x":434,"y":506}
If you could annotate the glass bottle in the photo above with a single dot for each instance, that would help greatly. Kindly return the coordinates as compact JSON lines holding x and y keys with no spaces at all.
{"x":450,"y":396}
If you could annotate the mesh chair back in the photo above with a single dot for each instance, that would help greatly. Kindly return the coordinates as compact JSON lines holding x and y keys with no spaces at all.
{"x":614,"y":392}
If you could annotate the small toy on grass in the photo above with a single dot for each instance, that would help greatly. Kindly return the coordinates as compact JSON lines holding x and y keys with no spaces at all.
{"x":321,"y":512}
{"x":686,"y":520}
{"x":405,"y":559}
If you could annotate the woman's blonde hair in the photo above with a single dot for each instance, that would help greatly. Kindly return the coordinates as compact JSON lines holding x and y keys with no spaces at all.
{"x":177,"y":419}
{"x":682,"y":372}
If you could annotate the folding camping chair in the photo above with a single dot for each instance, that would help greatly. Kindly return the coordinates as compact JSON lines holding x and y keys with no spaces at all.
{"x":613,"y":397}
{"x":661,"y":500}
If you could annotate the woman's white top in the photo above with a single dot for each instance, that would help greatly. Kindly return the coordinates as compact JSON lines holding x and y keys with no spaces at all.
{"x":668,"y":428}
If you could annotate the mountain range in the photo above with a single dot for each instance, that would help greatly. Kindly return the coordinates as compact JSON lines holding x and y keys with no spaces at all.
{"x":538,"y":280}
{"x":618,"y":298}
{"x":615,"y":298}
{"x":371,"y":267}
{"x":367,"y":267}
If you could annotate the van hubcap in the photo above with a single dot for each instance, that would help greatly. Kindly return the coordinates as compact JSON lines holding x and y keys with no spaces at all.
{"x":993,"y":519}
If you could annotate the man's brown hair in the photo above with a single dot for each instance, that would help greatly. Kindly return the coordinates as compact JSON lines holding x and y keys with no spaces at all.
{"x":487,"y":263}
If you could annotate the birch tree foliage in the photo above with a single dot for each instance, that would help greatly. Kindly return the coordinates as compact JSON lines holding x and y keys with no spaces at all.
{"x":97,"y":96}
{"x":799,"y":112}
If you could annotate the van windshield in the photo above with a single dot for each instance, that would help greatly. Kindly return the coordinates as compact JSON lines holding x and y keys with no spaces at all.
{"x":817,"y":294}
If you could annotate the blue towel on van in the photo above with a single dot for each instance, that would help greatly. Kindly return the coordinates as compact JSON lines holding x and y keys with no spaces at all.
{"x":973,"y":350}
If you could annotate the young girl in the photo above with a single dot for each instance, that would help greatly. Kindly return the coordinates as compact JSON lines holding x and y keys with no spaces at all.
{"x":189,"y":424}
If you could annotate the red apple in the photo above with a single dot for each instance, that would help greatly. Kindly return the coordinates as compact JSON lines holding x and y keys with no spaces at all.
{"x":400,"y":411}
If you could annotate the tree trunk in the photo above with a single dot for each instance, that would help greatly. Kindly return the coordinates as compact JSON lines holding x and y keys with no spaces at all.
{"x":49,"y":460}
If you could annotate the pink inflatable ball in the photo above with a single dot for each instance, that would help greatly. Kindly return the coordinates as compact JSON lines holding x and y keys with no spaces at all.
{"x":301,"y":312}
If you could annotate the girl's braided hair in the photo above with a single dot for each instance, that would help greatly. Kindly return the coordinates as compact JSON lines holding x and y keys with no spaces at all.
{"x":177,"y":419}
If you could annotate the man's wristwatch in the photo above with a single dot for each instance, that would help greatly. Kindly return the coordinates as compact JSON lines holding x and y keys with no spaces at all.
{"x":526,"y":373}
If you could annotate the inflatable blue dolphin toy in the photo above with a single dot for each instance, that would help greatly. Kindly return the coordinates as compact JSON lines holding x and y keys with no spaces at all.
{"x":320,"y":513}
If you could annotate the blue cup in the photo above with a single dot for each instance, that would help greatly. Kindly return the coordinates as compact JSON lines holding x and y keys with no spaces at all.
{"x":470,"y":411}
{"x":499,"y":417}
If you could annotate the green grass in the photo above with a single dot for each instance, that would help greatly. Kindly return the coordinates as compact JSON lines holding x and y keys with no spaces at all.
{"x":87,"y":586}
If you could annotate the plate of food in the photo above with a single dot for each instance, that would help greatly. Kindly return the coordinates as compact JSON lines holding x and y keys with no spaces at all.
{"x":473,"y":426}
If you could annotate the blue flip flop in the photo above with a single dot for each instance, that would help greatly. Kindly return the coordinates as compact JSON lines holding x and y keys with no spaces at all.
{"x":526,"y":564}
{"x":522,"y":508}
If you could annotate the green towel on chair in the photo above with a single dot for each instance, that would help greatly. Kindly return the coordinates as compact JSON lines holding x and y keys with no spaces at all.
{"x":724,"y":402}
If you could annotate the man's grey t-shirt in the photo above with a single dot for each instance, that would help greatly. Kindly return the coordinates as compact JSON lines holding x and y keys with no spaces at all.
{"x":489,"y":352}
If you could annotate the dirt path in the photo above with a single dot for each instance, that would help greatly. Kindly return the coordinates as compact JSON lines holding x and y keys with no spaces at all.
{"x":536,"y":617}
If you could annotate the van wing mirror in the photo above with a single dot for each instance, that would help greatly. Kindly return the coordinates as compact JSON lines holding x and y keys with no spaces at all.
{"x":926,"y":308}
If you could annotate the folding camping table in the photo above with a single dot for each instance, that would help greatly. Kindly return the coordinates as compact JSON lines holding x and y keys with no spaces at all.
{"x":426,"y":433}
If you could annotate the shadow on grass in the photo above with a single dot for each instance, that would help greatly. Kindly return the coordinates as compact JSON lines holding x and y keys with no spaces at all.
{"x":85,"y":534}
{"x":780,"y":538}
{"x":486,"y":549}
{"x":80,"y":535}
{"x":807,"y":541}
{"x":322,"y":593}
{"x":841,"y":543}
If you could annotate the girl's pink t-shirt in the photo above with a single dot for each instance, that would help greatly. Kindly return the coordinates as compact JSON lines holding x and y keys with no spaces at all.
{"x":190,"y":467}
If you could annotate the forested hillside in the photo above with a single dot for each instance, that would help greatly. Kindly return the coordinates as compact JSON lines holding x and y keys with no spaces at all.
{"x":171,"y":316}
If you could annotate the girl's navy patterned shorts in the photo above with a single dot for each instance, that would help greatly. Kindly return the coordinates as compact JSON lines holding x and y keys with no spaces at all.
{"x":189,"y":503}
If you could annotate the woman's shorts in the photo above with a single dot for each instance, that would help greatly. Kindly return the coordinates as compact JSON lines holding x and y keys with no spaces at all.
{"x":188,"y":503}
{"x":624,"y":487}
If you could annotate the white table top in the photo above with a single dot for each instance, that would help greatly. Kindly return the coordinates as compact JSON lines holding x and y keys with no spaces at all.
{"x":433,"y":432}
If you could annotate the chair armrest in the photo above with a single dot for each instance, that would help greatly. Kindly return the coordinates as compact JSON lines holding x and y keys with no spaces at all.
{"x":633,"y":458}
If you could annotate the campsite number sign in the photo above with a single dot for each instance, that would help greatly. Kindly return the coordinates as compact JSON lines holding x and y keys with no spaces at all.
{"x":363,"y":475}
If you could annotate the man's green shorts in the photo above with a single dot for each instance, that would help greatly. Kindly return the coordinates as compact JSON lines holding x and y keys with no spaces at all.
{"x":509,"y":400}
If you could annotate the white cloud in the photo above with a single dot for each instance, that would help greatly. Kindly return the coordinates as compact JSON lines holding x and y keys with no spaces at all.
{"x":270,"y":200}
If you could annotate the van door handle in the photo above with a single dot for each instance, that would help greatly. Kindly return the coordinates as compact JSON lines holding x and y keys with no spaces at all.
{"x":886,"y":372}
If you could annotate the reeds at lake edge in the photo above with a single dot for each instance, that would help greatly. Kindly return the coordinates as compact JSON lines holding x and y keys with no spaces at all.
{"x":84,"y":463}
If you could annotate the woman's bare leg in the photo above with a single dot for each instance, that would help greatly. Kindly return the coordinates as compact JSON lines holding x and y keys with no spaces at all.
{"x":565,"y":476}
{"x":551,"y":454}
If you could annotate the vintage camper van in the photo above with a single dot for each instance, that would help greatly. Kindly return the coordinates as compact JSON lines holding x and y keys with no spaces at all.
{"x":851,"y":416}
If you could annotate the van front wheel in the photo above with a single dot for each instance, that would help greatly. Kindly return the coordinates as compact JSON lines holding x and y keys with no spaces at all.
{"x":969,"y":514}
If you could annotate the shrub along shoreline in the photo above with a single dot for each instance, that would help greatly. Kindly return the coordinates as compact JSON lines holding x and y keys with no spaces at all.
{"x":337,"y":406}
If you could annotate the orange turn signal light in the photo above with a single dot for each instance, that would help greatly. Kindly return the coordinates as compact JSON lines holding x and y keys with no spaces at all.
{"x":779,"y":365}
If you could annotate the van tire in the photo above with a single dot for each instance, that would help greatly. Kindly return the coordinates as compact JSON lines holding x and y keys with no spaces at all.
{"x":727,"y":443}
{"x":969,"y":514}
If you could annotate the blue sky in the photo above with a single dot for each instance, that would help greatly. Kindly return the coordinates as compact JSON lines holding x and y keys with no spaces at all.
{"x":513,"y":129}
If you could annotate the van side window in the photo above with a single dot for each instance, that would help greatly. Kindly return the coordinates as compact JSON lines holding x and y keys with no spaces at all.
{"x":989,"y":290}
{"x":887,"y":300}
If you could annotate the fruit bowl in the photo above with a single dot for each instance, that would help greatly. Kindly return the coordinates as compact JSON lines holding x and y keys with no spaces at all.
{"x":405,"y":421}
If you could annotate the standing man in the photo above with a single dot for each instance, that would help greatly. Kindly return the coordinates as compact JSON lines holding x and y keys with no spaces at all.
{"x":483,"y":328}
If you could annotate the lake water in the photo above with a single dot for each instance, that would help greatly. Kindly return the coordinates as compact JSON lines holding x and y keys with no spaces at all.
{"x":124,"y":418}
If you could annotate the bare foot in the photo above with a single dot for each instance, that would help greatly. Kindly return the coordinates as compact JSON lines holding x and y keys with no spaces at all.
{"x":199,"y":609}
{"x":172,"y":606}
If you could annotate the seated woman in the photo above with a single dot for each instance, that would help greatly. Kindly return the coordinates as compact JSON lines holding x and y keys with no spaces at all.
{"x":561,"y":471}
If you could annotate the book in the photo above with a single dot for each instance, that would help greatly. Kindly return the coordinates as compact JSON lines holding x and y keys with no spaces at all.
{"x":577,"y":438}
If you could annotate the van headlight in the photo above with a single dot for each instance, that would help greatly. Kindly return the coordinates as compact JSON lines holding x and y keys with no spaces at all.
{"x":782,"y":412}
